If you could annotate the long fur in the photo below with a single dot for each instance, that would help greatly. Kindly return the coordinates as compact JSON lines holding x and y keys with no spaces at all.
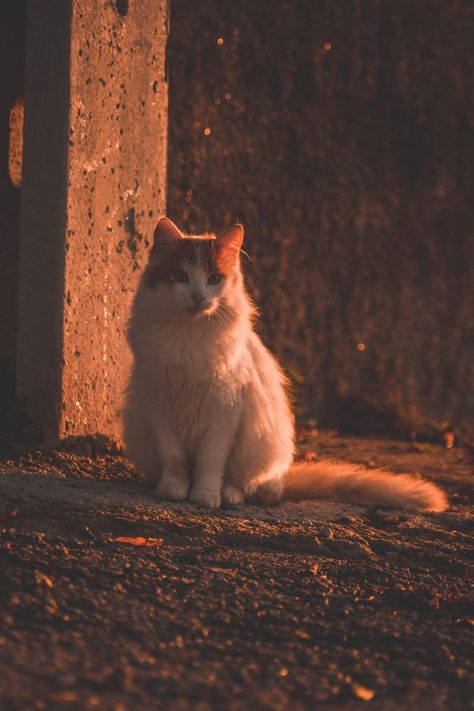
{"x":342,"y":481}
{"x":207,"y":416}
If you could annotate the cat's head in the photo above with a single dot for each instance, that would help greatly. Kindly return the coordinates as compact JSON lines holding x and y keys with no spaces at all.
{"x":193,"y":273}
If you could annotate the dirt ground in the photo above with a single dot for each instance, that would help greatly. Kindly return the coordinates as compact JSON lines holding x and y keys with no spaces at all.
{"x":313,"y":605}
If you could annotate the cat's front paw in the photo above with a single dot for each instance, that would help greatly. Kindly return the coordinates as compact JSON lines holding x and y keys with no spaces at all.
{"x":202,"y":496}
{"x":232,"y":495}
{"x":172,"y":490}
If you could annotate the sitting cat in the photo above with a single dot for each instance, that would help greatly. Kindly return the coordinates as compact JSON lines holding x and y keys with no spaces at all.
{"x":207,"y":416}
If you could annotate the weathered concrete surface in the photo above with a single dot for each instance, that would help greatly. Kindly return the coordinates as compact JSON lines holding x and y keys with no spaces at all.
{"x":94,"y":182}
{"x":303,"y":606}
{"x":341,"y":135}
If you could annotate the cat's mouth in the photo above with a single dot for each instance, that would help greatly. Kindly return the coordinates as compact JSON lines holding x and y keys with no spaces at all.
{"x":202,"y":310}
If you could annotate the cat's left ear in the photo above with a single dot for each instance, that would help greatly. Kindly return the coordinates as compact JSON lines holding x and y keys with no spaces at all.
{"x":166,"y":231}
{"x":232,"y":237}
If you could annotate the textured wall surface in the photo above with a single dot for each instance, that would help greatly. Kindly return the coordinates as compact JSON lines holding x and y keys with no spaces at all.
{"x":341,"y":134}
{"x":94,"y":181}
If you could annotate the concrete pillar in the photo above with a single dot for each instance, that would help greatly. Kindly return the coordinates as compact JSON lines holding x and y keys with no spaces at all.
{"x":94,"y":179}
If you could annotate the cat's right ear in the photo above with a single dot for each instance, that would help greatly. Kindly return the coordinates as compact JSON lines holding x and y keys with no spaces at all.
{"x":166,"y":232}
{"x":232,"y":237}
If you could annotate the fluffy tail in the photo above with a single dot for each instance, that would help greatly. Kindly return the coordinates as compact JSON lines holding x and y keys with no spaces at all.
{"x":346,"y":482}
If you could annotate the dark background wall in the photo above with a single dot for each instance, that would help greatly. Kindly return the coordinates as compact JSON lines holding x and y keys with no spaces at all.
{"x":341,"y":134}
{"x":12,"y":63}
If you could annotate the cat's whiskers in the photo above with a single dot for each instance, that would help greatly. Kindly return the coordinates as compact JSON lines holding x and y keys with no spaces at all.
{"x":225,"y":315}
{"x":221,"y":318}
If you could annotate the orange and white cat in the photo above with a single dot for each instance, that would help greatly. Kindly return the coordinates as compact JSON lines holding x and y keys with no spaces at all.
{"x":207,"y":416}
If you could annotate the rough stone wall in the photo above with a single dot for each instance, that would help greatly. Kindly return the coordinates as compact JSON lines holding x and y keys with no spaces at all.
{"x":12,"y":49}
{"x":94,"y":181}
{"x":341,"y":134}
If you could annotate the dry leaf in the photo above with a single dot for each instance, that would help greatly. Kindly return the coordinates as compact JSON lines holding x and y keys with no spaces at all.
{"x":139,"y":541}
{"x":302,"y":634}
{"x":42,"y":578}
{"x":362,"y":692}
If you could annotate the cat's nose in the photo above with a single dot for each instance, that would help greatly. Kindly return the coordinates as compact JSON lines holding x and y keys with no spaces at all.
{"x":198,"y":299}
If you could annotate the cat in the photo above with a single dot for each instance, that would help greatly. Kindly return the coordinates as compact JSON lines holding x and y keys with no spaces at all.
{"x":207,"y":415}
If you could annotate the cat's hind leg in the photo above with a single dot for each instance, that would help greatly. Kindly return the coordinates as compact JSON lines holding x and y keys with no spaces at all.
{"x":232,"y":495}
{"x":263,"y":448}
{"x":267,"y":493}
{"x":256,"y":467}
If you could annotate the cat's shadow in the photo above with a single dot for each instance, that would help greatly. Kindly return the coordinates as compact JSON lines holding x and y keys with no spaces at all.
{"x":45,"y":491}
{"x":33,"y":491}
{"x":46,"y":494}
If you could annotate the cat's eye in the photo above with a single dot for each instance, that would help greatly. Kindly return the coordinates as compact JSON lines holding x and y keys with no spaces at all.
{"x":180,"y":276}
{"x":214,"y":278}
